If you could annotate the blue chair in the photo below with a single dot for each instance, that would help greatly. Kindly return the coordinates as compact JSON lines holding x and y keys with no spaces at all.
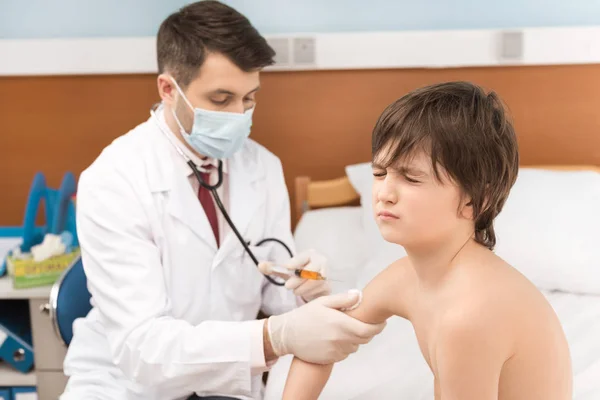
{"x":69,"y":300}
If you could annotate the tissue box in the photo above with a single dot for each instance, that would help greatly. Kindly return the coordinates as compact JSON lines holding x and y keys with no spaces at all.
{"x":27,"y":273}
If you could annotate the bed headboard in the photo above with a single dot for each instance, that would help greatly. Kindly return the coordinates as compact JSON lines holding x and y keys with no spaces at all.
{"x":340,"y":192}
{"x":317,"y":122}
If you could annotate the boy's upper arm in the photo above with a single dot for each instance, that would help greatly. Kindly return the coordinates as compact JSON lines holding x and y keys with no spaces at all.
{"x":378,"y":304}
{"x":470,"y":352}
{"x":385,"y":295}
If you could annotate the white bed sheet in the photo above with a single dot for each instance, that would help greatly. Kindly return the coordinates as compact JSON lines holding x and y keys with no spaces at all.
{"x":391,"y":366}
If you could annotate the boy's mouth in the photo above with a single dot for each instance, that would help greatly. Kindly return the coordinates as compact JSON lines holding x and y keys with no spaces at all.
{"x":386,"y":215}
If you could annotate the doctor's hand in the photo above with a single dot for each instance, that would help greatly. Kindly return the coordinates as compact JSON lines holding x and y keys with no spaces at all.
{"x":307,"y":289}
{"x":318,"y":332}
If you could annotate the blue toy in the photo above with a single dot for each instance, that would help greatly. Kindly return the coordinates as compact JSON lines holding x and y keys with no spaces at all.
{"x":59,"y":211}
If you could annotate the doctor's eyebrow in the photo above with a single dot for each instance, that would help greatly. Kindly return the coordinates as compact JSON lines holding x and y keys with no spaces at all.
{"x":256,"y":89}
{"x":230,"y":93}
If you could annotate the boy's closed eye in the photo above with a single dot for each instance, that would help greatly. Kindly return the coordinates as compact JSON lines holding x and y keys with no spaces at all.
{"x":411,"y":180}
{"x":379,"y":173}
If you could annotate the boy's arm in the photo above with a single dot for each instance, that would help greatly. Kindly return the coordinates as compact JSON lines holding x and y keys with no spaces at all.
{"x":471,"y":349}
{"x":380,"y":301}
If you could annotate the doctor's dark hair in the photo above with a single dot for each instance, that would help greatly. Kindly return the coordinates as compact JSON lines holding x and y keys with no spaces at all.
{"x":467,"y":132}
{"x":188,"y":35}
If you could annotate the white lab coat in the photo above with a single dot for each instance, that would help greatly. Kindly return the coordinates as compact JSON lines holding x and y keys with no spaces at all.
{"x":173,"y":314}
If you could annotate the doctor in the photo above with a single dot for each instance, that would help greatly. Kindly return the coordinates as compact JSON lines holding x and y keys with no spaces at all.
{"x":175,"y":294}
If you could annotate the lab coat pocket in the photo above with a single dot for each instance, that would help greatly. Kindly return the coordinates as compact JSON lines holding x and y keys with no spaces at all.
{"x":249,"y":280}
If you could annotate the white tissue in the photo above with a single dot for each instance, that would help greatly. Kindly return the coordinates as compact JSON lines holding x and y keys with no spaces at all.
{"x":50,"y":247}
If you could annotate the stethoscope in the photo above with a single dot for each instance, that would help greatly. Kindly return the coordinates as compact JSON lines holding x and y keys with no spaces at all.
{"x":217,"y":198}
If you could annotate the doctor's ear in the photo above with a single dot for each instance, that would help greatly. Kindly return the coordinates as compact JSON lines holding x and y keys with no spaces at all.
{"x":166,"y":88}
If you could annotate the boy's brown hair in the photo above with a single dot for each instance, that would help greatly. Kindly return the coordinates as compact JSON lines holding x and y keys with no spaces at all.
{"x":467,"y":132}
{"x":186,"y":36}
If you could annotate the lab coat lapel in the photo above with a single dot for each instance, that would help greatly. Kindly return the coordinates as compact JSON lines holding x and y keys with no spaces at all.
{"x":167,"y":173}
{"x":185,"y":206}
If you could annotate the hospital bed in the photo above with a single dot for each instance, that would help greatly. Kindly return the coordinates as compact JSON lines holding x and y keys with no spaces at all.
{"x":548,"y":229}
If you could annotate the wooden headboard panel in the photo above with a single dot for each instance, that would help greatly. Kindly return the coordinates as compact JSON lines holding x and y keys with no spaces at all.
{"x":316,"y":122}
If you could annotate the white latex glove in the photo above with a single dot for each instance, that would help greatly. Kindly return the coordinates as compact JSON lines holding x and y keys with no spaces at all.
{"x":305,"y":288}
{"x":318,"y":332}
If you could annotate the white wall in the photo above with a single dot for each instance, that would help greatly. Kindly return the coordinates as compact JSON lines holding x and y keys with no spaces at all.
{"x":41,"y":37}
{"x":21,"y":19}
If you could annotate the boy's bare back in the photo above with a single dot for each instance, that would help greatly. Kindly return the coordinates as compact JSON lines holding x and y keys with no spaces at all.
{"x":485,"y":323}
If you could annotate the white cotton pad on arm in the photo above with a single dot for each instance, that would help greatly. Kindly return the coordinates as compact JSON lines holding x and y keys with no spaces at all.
{"x":360,"y":297}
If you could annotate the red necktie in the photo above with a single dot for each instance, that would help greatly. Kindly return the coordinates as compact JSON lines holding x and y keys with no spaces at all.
{"x":208,"y":204}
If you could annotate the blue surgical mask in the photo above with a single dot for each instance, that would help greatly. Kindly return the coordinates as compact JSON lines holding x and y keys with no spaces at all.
{"x":216,"y":134}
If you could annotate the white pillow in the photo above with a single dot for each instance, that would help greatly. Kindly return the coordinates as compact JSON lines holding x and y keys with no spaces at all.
{"x":338,"y":234}
{"x":549,"y":229}
{"x":361,"y":178}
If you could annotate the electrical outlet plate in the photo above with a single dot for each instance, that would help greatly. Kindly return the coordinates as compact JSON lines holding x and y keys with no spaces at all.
{"x":511,"y":45}
{"x":281,"y":46}
{"x":304,"y":51}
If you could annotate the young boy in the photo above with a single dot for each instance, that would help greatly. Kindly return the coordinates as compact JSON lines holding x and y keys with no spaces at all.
{"x":444,"y":160}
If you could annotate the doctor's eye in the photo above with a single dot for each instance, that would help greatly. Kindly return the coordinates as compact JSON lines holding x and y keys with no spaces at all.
{"x":220,"y":101}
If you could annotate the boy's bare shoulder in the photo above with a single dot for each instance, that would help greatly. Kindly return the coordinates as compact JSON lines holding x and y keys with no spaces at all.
{"x":487,"y":284}
{"x":491,"y":295}
{"x":476,"y":313}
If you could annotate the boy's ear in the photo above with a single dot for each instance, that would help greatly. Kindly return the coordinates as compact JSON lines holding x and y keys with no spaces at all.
{"x":466,"y":211}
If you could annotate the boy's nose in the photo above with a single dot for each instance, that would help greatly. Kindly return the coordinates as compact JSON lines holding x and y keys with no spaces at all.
{"x":387,"y":192}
